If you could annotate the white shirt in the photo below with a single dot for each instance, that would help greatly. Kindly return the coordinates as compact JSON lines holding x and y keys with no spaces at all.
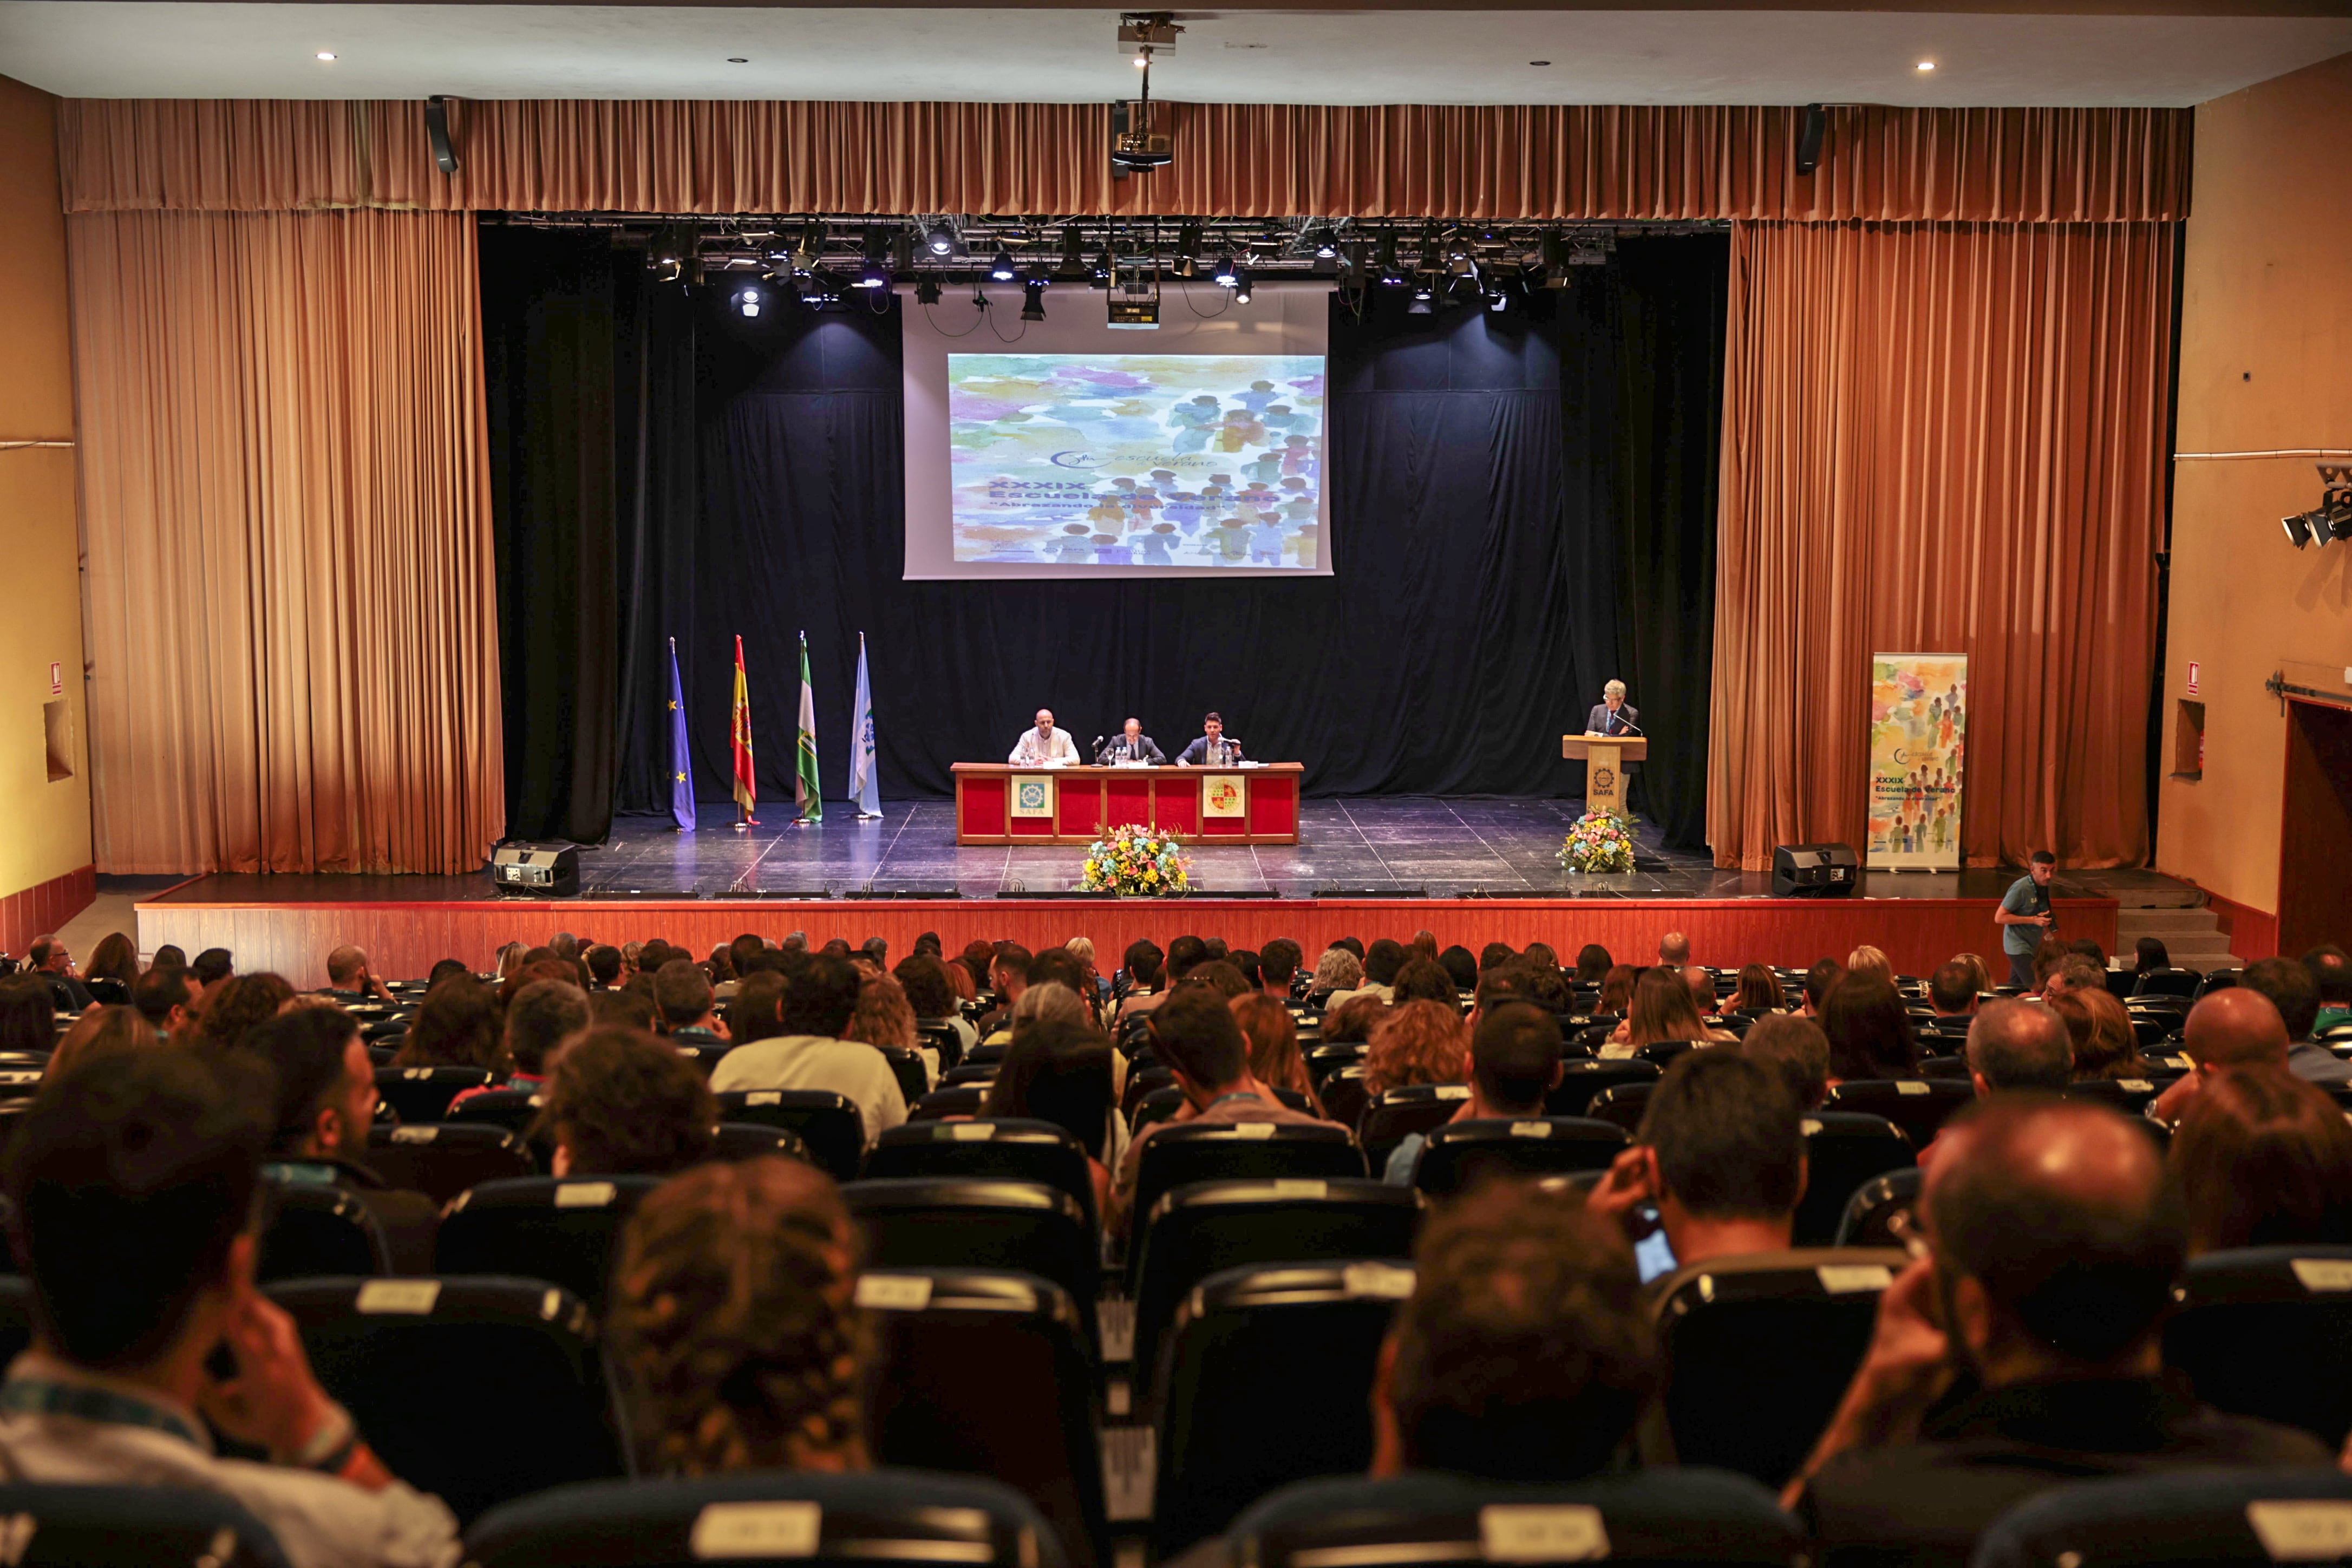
{"x":321,"y":1522}
{"x":1031,"y":751}
{"x":810,"y":1061}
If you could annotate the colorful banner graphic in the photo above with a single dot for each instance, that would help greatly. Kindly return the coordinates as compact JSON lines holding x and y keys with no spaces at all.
{"x":1918,"y":743}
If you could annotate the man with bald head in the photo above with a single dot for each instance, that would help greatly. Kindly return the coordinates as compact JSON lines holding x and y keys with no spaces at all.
{"x":2013,"y":1045}
{"x":1674,"y":950}
{"x":2233,"y":1028}
{"x":2052,"y":1245}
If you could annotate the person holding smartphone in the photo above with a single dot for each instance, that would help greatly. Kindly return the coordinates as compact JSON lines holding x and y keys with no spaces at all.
{"x":1719,"y":1162}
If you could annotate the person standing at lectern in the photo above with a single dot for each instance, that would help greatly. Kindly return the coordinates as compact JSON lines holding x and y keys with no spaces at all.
{"x":1612,"y":715}
{"x":1132,"y":746}
{"x":1043,"y":745}
{"x":1213,"y":750}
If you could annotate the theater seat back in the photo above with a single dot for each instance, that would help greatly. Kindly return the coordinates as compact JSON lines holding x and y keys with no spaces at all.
{"x":1842,"y":1151}
{"x":565,"y":1232}
{"x":2267,"y":1332}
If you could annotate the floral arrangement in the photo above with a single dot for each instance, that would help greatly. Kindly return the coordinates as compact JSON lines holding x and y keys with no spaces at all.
{"x":1598,"y":842}
{"x":1135,"y":862}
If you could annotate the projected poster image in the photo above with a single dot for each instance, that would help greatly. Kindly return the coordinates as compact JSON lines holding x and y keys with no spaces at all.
{"x":1138,"y":460}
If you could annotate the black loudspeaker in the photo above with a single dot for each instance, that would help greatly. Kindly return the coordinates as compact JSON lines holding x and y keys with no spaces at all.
{"x":1814,"y":871}
{"x":549,"y":871}
{"x":1809,"y":138}
{"x":437,"y":133}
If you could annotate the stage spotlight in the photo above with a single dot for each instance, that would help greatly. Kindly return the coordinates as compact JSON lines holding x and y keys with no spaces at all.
{"x":1188,"y":249}
{"x":1225,"y":273}
{"x":1241,"y":286}
{"x":1002,"y":268}
{"x":1073,"y":268}
{"x":927,"y":290}
{"x":1104,"y":265}
{"x":1391,"y":271}
{"x":1555,"y":260}
{"x":1326,"y":246}
{"x":751,"y":298}
{"x":873,"y":275}
{"x":2299,"y":531}
{"x":940,"y":240}
{"x":1032,"y":300}
{"x":1498,"y":302}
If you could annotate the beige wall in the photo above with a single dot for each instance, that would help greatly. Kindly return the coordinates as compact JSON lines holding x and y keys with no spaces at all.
{"x":2266,"y":365}
{"x":44,"y":826}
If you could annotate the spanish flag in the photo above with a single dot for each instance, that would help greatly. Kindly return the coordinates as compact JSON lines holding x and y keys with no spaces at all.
{"x":746,"y":787}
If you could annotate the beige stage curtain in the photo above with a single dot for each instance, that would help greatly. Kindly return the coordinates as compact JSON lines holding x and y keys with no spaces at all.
{"x":1628,"y":161}
{"x":292,"y":624}
{"x":1941,"y":437}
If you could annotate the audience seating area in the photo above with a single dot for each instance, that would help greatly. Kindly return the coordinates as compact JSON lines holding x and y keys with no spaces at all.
{"x":1046,"y":1385}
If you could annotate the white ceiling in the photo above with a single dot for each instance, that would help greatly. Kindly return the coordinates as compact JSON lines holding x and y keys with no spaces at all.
{"x":109,"y":48}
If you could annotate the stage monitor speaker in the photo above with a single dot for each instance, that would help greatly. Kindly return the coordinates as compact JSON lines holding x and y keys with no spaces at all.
{"x":436,"y":133}
{"x":1814,"y":870}
{"x":550,"y":870}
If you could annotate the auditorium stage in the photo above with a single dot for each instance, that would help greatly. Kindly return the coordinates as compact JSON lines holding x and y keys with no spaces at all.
{"x":1470,"y":870}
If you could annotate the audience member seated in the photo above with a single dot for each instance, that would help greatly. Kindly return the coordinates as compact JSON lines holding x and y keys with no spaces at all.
{"x":1273,"y":1055}
{"x":113,"y":970}
{"x":1759,"y":991}
{"x":1352,"y":1022}
{"x":2295,"y":992}
{"x":1048,"y":1002}
{"x":445,"y":969}
{"x":135,"y":1183}
{"x":1059,"y":1071}
{"x":48,"y":961}
{"x":1952,"y":990}
{"x":163,"y":998}
{"x":1870,"y":962}
{"x":1060,"y":966}
{"x":1673,"y":951}
{"x":604,"y":962}
{"x":820,"y":994}
{"x":621,"y":1103}
{"x":2014,"y":1045}
{"x":1663,"y":1009}
{"x":1418,"y":1042}
{"x":735,"y":1334}
{"x":325,"y":1103}
{"x":1514,"y":1063}
{"x":1720,"y":1153}
{"x":29,"y":1016}
{"x":2021,"y":1351}
{"x":1979,"y":971}
{"x":1460,"y":968}
{"x":1278,"y":967}
{"x":1194,"y":1035}
{"x":1869,"y":1032}
{"x":1617,"y":989}
{"x":1382,"y":961}
{"x":2263,"y":1158}
{"x":99,"y":1032}
{"x":2074,"y":975}
{"x":1223,"y":977}
{"x":1592,"y":964}
{"x":350,"y":980}
{"x":1795,"y":1047}
{"x":2100,"y":1030}
{"x":540,"y":1017}
{"x":1008,"y":976}
{"x":884,"y":1018}
{"x":684,"y":995}
{"x":2331,"y":971}
{"x":930,"y":996}
{"x":2238,"y":1026}
{"x":1145,"y":966}
{"x":457,"y":1026}
{"x":627,"y":1009}
{"x":2047,"y":958}
{"x":1425,"y":980}
{"x":1701,"y":982}
{"x":1820,"y":981}
{"x":236,"y":1004}
{"x":2148,"y":954}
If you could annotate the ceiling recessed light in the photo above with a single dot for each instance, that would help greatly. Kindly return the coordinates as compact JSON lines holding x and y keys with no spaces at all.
{"x":1539,"y":62}
{"x":326,"y":53}
{"x":1927,"y":65}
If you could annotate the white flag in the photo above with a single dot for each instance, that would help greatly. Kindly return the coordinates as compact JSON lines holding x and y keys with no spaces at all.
{"x":863,"y":789}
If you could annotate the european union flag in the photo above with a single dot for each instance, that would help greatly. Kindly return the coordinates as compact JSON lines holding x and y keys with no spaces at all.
{"x":681,"y":764}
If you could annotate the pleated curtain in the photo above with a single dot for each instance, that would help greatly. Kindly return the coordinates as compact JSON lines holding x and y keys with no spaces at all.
{"x":291,"y":628}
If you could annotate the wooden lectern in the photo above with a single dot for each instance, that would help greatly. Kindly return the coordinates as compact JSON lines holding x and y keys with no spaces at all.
{"x":1604,"y":767}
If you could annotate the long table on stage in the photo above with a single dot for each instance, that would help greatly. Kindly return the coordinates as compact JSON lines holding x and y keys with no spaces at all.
{"x":997,"y":803}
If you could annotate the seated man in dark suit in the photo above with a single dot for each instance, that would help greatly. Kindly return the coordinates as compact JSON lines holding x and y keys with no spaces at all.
{"x":326,"y":1102}
{"x":1132,"y":746}
{"x":1215,"y":749}
{"x":2024,"y":1350}
{"x":1612,"y":715}
{"x":48,"y":959}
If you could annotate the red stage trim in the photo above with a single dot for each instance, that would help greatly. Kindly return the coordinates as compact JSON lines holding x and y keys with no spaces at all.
{"x":406,"y":940}
{"x":2253,"y":934}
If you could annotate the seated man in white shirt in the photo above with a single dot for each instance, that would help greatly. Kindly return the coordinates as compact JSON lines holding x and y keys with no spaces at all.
{"x":134,"y":1181}
{"x":1043,"y":745}
{"x":793,"y":1041}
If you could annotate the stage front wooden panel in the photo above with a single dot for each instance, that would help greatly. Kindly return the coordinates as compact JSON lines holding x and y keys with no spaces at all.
{"x":403,"y":940}
{"x":999,"y":804}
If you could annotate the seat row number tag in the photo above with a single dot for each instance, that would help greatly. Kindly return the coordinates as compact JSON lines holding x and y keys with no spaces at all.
{"x":2302,"y":1530}
{"x":1538,"y":1532}
{"x":756,"y":1530}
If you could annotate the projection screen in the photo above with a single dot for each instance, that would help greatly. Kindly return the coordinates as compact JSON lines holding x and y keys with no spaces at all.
{"x":1070,"y":448}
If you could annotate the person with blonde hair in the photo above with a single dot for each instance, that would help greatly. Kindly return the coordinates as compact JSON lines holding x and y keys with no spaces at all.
{"x":734,"y":1326}
{"x":1337,"y":971}
{"x":884,"y":1017}
{"x":1274,"y":1055}
{"x":1870,"y":961}
{"x":2106,"y":1045}
{"x":1048,"y":1001}
{"x":1418,"y":1042}
{"x":511,"y":959}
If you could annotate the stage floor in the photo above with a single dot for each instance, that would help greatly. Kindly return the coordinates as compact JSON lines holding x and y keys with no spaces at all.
{"x":1383,"y":847}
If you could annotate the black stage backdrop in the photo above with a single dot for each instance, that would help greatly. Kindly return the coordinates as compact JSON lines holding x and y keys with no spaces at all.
{"x":1525,"y":502}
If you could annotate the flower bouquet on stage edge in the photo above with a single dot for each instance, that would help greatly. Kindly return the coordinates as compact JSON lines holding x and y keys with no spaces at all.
{"x":1598,"y":842}
{"x":1135,"y":862}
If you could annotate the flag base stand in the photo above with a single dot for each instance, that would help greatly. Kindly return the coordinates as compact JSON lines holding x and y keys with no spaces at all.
{"x":869,"y":816}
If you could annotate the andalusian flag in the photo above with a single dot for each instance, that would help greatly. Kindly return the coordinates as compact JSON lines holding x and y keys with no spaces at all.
{"x":747,"y":784}
{"x":804,"y":786}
